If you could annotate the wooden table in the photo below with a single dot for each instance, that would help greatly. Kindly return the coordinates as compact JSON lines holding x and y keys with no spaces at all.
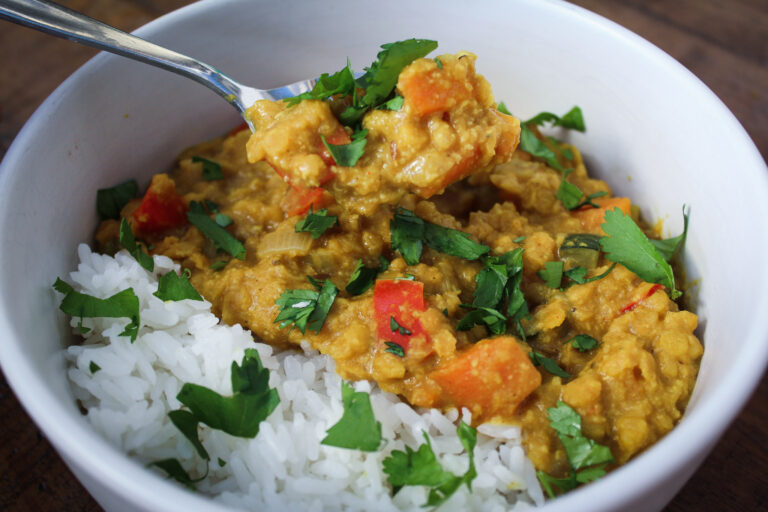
{"x":723,"y":43}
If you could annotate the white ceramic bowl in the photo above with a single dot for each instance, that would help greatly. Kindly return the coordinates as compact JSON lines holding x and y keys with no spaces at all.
{"x":648,"y":119}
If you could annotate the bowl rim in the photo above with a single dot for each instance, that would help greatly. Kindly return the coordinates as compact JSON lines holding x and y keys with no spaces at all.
{"x":79,"y":447}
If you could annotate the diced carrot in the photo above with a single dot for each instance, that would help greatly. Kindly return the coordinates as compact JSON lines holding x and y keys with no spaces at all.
{"x":592,"y":218}
{"x":490,"y":378}
{"x":398,"y":299}
{"x":431,"y":91}
{"x":161,"y":207}
{"x":462,"y":169}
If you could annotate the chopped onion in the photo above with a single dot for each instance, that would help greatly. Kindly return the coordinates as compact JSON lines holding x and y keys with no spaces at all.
{"x":285,"y":241}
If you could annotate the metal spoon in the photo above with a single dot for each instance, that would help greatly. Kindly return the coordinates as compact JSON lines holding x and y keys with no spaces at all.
{"x":61,"y":22}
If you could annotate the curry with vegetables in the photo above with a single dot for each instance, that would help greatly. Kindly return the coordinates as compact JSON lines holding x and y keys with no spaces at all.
{"x":409,"y":226}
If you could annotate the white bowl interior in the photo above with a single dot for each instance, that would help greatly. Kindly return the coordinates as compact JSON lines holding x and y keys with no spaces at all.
{"x":655,"y":133}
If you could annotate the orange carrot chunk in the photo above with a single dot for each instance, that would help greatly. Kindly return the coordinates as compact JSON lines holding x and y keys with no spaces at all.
{"x":592,"y":218}
{"x":491,"y":378}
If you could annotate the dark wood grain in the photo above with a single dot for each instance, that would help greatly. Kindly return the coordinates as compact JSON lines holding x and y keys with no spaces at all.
{"x":725,"y":43}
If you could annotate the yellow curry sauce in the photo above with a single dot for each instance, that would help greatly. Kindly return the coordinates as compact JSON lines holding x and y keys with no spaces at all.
{"x":629,"y":391}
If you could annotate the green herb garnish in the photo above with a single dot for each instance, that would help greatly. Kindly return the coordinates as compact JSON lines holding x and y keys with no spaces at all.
{"x":110,"y":201}
{"x":123,"y":304}
{"x":586,"y":458}
{"x":627,"y":244}
{"x":342,"y":82}
{"x":347,"y":155}
{"x":421,"y":467}
{"x":410,"y":233}
{"x":553,"y":274}
{"x":363,"y":277}
{"x":306,"y":308}
{"x":240,"y":414}
{"x":572,"y":197}
{"x":187,"y":424}
{"x":218,"y":265}
{"x":173,"y":469}
{"x":548,"y":364}
{"x":396,"y":327}
{"x":573,"y":119}
{"x":93,"y":367}
{"x":395,"y":103}
{"x":670,"y":247}
{"x":219,"y":236}
{"x":211,"y":169}
{"x":316,"y":223}
{"x":129,"y":243}
{"x":583,"y":342}
{"x":394,"y":348}
{"x":222,"y":220}
{"x":175,"y":287}
{"x":357,"y":429}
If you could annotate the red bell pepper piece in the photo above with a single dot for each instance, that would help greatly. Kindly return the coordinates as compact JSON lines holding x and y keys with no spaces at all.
{"x":398,"y":299}
{"x":161,"y":208}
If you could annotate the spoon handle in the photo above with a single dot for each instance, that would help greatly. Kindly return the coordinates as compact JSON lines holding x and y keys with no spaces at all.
{"x":61,"y":22}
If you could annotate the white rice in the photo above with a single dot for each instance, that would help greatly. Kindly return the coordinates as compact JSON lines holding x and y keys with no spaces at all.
{"x":284,"y":467}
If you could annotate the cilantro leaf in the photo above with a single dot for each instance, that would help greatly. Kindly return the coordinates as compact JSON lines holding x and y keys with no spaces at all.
{"x":396,"y":327}
{"x":536,"y":147}
{"x":223,"y":220}
{"x":347,"y":155}
{"x":342,"y":82}
{"x":215,"y":233}
{"x":394,"y":348}
{"x":129,"y":243}
{"x":627,"y":244}
{"x":218,"y":265}
{"x":409,"y":234}
{"x":395,"y":103}
{"x":187,"y":424}
{"x":586,"y":458}
{"x":421,"y":467}
{"x":548,"y":364}
{"x":501,"y":107}
{"x":572,"y":197}
{"x":583,"y":342}
{"x":573,"y":119}
{"x":240,"y":414}
{"x":495,"y":321}
{"x":363,"y":277}
{"x":306,"y":308}
{"x":173,"y":469}
{"x":122,"y":304}
{"x":93,"y":367}
{"x":357,"y":429}
{"x":211,"y":169}
{"x":110,"y":201}
{"x":671,"y":246}
{"x":173,"y":287}
{"x":316,"y":223}
{"x":552,"y":273}
{"x":579,"y":275}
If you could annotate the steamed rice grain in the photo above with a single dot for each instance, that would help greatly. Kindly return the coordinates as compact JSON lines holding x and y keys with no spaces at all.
{"x":284,"y":467}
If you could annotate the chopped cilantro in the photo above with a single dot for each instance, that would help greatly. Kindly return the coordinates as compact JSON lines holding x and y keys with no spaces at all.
{"x":410,"y":233}
{"x":347,"y":155}
{"x":318,"y":284}
{"x":394,"y":348}
{"x":129,"y":243}
{"x":93,"y":367}
{"x":548,"y":364}
{"x":363,"y":277}
{"x":503,"y":109}
{"x":671,"y":246}
{"x":439,"y":63}
{"x":240,"y":414}
{"x":586,"y":458}
{"x":316,"y":223}
{"x":421,"y":467}
{"x":187,"y":424}
{"x":173,"y":468}
{"x":396,"y":327}
{"x":306,"y":308}
{"x":218,"y":265}
{"x":122,"y":304}
{"x":211,"y":169}
{"x":573,"y":119}
{"x":357,"y":429}
{"x":110,"y":201}
{"x":175,"y":287}
{"x":536,"y":147}
{"x":519,"y":239}
{"x":627,"y":244}
{"x":572,"y":197}
{"x":222,"y":462}
{"x":222,"y":220}
{"x":583,"y":342}
{"x":211,"y":206}
{"x":495,"y":321}
{"x":342,"y":82}
{"x":215,"y":233}
{"x":579,"y":275}
{"x":552,"y":273}
{"x":395,"y":103}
